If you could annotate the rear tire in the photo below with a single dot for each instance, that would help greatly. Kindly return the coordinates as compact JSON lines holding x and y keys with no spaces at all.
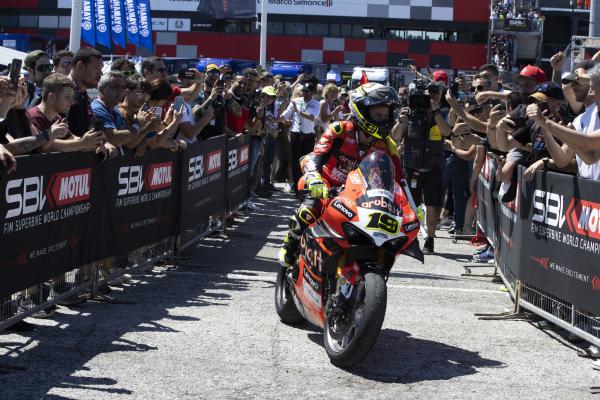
{"x":368,"y":317}
{"x":284,"y":302}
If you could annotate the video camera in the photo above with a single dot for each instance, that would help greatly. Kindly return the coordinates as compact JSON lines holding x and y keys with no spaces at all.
{"x":419,"y":94}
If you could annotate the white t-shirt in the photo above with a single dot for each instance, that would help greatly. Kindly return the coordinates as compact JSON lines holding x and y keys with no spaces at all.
{"x":187,"y":117}
{"x":588,"y":122}
{"x":299,"y":123}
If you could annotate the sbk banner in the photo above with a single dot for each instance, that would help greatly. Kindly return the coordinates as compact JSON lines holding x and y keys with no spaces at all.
{"x":486,"y":204}
{"x":50,"y":212}
{"x":561,"y":238}
{"x":142,"y":198}
{"x":203,"y":174}
{"x":117,"y":23}
{"x":88,"y":23}
{"x":102,"y":23}
{"x":237,"y":188}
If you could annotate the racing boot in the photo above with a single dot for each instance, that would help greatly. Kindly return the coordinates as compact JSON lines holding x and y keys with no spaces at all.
{"x":287,"y":254}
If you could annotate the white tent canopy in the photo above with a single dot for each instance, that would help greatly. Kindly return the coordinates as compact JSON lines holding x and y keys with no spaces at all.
{"x":7,"y":55}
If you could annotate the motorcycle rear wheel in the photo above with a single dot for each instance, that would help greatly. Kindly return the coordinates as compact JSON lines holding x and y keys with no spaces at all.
{"x":284,"y":303}
{"x":367,"y":318}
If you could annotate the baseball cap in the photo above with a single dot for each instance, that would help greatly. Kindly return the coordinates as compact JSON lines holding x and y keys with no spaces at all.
{"x":32,"y":57}
{"x":269,"y":91}
{"x":548,"y":90}
{"x":212,"y":67}
{"x":440,"y":76}
{"x":569,"y":77}
{"x":531,"y":71}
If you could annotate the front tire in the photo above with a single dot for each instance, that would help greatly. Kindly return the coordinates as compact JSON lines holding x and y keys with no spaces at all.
{"x":367,"y":319}
{"x":284,"y":302}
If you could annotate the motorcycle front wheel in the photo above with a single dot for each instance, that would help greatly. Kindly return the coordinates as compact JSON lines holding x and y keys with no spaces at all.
{"x":360,"y":332}
{"x":284,"y":303}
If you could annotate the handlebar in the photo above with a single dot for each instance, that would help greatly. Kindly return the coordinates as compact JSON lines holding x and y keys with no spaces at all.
{"x":333,"y":192}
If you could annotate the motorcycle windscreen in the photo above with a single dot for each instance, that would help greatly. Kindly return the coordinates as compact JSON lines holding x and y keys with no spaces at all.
{"x":378,"y":171}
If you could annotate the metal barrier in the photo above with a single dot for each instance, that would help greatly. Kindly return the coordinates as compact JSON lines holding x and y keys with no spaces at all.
{"x":86,"y":280}
{"x":524,"y":293}
{"x":560,"y":312}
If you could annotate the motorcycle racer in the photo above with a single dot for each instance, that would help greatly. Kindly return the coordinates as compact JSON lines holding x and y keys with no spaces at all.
{"x":339,"y":151}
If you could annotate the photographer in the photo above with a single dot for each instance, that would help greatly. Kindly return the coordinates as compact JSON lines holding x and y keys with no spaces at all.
{"x":422,"y":128}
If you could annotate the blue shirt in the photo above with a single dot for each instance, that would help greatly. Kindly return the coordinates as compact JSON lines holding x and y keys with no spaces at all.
{"x":112,"y":119}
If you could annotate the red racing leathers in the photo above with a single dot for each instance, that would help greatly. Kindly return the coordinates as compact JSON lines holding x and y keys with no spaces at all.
{"x":337,"y":153}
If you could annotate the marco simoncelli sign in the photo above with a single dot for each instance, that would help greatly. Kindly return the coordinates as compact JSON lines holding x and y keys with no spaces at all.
{"x":143,"y":198}
{"x":442,"y":10}
{"x":47,"y":212}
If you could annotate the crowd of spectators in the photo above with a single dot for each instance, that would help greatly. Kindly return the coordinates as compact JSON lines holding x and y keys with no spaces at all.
{"x":504,"y":10}
{"x":537,"y":122}
{"x":143,"y":109}
{"x":501,"y":47}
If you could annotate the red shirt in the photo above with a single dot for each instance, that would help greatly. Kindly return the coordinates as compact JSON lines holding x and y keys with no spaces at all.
{"x":39,"y":120}
{"x":236,"y":123}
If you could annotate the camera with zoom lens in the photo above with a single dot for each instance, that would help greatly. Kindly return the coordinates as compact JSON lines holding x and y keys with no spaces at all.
{"x":419,"y":94}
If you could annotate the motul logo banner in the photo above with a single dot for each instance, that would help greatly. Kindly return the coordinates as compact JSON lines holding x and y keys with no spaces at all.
{"x":71,"y":187}
{"x":159,"y":176}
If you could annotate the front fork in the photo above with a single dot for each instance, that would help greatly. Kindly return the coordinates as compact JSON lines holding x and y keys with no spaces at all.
{"x":345,"y":280}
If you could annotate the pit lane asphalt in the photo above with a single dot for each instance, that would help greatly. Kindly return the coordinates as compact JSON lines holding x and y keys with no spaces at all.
{"x":207,"y":329}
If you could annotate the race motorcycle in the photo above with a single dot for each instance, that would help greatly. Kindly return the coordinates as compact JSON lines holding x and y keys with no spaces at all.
{"x":344,"y":259}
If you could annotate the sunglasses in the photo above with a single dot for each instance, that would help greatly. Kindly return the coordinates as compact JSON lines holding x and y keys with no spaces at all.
{"x":478,"y":88}
{"x":45,"y":68}
{"x":66,"y":63}
{"x":129,"y":73}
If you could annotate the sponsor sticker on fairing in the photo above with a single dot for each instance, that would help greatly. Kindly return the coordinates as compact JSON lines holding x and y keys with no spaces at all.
{"x":311,"y":294}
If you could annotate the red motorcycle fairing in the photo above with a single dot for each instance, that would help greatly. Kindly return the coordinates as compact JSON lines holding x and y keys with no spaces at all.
{"x":326,"y":253}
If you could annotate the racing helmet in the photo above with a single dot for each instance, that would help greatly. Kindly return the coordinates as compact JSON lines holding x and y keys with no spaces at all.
{"x":369,"y":95}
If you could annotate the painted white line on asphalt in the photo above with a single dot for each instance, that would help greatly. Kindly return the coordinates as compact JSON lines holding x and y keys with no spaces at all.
{"x":448,"y":289}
